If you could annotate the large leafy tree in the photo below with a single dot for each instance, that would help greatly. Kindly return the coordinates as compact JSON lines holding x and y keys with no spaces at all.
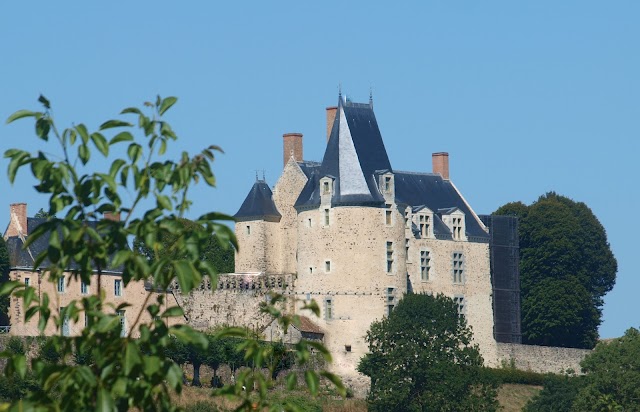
{"x":113,"y":372}
{"x":4,"y":273}
{"x":421,"y":358}
{"x":566,"y":268}
{"x":220,"y":255}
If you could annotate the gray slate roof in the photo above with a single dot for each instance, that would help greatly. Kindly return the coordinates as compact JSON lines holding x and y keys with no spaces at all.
{"x":20,"y":257}
{"x":259,"y":205}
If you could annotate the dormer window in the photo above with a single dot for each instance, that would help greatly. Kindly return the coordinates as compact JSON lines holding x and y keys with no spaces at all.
{"x":424,"y":222}
{"x":387,"y":183}
{"x":456,"y":226}
{"x":326,"y":189}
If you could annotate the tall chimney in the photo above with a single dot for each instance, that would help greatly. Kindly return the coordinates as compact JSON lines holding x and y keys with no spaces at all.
{"x":441,"y":164}
{"x":292,"y":147}
{"x":331,"y":117}
{"x":114,"y":217}
{"x":17,"y":220}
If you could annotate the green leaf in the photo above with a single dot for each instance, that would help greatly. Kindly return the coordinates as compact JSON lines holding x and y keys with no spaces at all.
{"x":172,"y":312}
{"x":20,"y":114}
{"x":188,"y":276}
{"x":121,"y":137}
{"x":131,"y":110}
{"x":101,"y":143}
{"x":7,"y":288}
{"x":105,"y":401}
{"x":131,"y":357}
{"x":166,"y":104}
{"x":44,"y":102}
{"x":82,"y":131}
{"x":312,"y":381}
{"x":134,"y":152}
{"x":292,"y":381}
{"x":43,"y":127}
{"x":336,"y":381}
{"x":164,"y":202}
{"x":110,"y":124}
{"x":20,"y":364}
{"x":84,"y":154}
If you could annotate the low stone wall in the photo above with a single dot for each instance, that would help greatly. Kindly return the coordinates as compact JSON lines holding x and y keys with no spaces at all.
{"x":542,"y":359}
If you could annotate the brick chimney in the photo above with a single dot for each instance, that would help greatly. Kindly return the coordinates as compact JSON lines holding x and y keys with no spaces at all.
{"x":292,"y":147}
{"x":17,"y":220}
{"x":441,"y":164}
{"x":114,"y":217}
{"x":331,"y":116}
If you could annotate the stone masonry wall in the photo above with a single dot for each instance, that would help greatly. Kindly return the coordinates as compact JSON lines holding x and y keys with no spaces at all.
{"x":541,"y":359}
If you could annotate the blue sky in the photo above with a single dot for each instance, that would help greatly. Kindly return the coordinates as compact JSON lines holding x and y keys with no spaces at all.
{"x":527,"y":97}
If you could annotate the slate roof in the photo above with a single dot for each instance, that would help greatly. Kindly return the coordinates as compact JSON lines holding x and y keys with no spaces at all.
{"x":355,"y":157}
{"x":259,"y":205}
{"x":20,"y":257}
{"x":439,"y":195}
{"x":354,"y":152}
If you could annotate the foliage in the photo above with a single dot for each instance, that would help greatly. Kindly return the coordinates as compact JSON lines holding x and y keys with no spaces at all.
{"x":4,"y":276}
{"x":611,"y":380}
{"x":517,"y":376}
{"x":557,"y":395}
{"x":220,"y":255}
{"x":421,"y":357}
{"x":116,"y":372}
{"x":566,"y":268}
{"x":42,"y":214}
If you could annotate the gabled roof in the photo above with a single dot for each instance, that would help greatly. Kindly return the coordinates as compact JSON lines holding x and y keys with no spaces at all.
{"x":23,"y":258}
{"x":306,"y":325}
{"x":438,"y":194}
{"x":259,"y":204}
{"x":354,"y":153}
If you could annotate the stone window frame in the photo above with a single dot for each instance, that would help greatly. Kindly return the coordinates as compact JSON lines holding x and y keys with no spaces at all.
{"x":84,"y":288}
{"x":61,"y":285}
{"x":122,"y":314}
{"x":390,"y":302}
{"x":327,"y":266}
{"x":327,"y":217}
{"x":328,"y":308}
{"x":248,"y":230}
{"x":425,"y":265}
{"x":461,"y":304}
{"x":27,"y":281}
{"x":117,"y":288}
{"x":390,"y":258}
{"x":458,"y":275}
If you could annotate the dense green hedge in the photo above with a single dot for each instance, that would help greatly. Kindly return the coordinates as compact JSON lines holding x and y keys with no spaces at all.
{"x":512,"y":375}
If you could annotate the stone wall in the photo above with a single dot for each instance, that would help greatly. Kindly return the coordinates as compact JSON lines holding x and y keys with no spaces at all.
{"x":541,"y":359}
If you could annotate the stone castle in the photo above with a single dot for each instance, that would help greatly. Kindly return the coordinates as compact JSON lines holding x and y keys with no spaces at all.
{"x":354,"y":234}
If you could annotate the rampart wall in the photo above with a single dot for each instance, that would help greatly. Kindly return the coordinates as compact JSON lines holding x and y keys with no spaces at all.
{"x":541,"y":359}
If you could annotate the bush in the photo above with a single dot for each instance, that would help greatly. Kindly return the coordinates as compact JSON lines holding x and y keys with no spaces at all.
{"x":558,"y":395}
{"x":512,"y":375}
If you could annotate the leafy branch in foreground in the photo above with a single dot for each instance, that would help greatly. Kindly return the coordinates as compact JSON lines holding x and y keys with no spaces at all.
{"x":117,"y":372}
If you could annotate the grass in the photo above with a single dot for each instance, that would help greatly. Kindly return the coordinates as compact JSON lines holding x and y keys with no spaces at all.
{"x":513,"y":397}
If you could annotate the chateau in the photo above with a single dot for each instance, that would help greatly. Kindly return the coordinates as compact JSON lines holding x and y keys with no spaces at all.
{"x":350,"y":232}
{"x":355,"y":234}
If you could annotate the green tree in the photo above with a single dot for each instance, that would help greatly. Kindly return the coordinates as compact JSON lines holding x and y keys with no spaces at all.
{"x":563,"y":247}
{"x":557,"y":395}
{"x":611,"y":380}
{"x":220,"y":255}
{"x":123,"y":372}
{"x":421,"y":358}
{"x":4,"y":276}
{"x":42,"y":214}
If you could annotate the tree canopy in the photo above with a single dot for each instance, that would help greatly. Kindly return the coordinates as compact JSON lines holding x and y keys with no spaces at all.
{"x":216,"y":251}
{"x":421,"y":358}
{"x":566,"y":268}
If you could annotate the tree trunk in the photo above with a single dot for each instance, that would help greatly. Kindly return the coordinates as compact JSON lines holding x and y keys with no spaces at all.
{"x":196,"y":374}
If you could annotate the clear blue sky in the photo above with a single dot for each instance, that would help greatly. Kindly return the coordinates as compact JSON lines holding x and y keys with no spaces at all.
{"x":527,"y":97}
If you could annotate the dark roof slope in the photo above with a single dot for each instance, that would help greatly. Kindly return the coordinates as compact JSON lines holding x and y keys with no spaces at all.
{"x":436,"y":193}
{"x":259,"y":204}
{"x":21,"y":258}
{"x":354,"y":152}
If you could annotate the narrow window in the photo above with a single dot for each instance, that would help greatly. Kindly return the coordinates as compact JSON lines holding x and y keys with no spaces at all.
{"x":117,"y":287}
{"x":248,"y":230}
{"x":84,"y":288}
{"x":347,"y":348}
{"x":387,"y":184}
{"x":309,"y":222}
{"x":457,"y":228}
{"x":66,"y":329}
{"x":328,"y":309}
{"x":123,"y":323}
{"x":326,"y":217}
{"x":390,"y":309}
{"x":423,"y":223}
{"x":61,"y":284}
{"x":460,"y":304}
{"x":458,"y":267}
{"x":327,"y":266}
{"x":325,"y":188}
{"x":27,"y":281}
{"x":390,"y":300}
{"x":425,"y":265}
{"x":388,"y":217}
{"x":406,"y":247}
{"x":311,"y":271}
{"x":389,"y":257}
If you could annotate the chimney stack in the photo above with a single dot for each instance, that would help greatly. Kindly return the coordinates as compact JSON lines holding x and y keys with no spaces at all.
{"x":292,"y":147}
{"x":331,"y":117}
{"x":17,"y":220}
{"x":114,"y":217}
{"x":441,"y":164}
